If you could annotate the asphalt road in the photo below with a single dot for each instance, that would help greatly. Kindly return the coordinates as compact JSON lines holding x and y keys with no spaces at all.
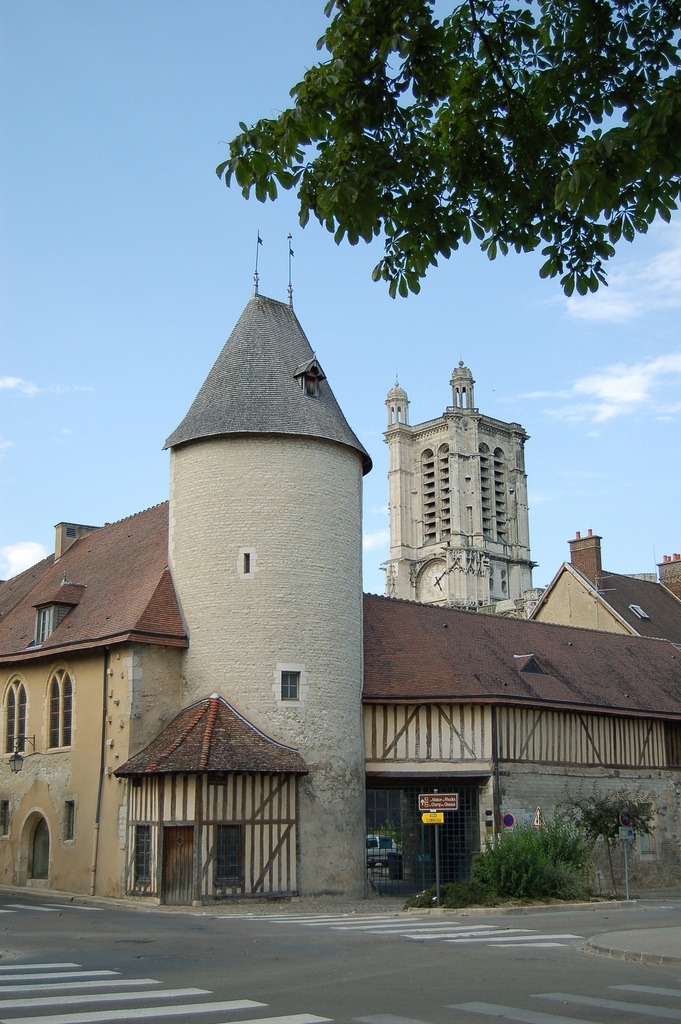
{"x":304,"y":967}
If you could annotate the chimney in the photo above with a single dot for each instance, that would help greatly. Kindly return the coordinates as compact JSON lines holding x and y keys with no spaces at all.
{"x":585,"y":555}
{"x":670,"y":573}
{"x":67,"y":534}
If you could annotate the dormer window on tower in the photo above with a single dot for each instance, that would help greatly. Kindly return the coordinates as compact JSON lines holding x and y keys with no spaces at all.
{"x":309,"y":376}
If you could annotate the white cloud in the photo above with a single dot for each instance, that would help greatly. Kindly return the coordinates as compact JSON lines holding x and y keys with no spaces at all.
{"x":636,"y":289}
{"x":620,"y":390}
{"x":380,"y":510}
{"x":5,"y":444}
{"x":24,"y":387}
{"x":379,"y":539}
{"x":14,"y":558}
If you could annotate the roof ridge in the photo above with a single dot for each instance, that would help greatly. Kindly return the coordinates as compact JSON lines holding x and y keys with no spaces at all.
{"x":208,"y":732}
{"x":134,"y":515}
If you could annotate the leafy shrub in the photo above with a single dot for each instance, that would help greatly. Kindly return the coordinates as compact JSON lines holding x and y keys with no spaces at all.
{"x":455,"y":895}
{"x":535,"y":863}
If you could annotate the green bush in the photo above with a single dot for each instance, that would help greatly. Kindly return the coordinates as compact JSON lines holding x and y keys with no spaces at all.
{"x":454,"y":895}
{"x":535,"y":863}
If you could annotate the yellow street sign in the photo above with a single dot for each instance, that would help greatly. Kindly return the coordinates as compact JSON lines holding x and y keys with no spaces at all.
{"x":433,"y":818}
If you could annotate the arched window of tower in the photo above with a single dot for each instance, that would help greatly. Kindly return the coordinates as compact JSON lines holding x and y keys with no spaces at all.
{"x":485,"y":489}
{"x":500,"y":492}
{"x":429,"y":496}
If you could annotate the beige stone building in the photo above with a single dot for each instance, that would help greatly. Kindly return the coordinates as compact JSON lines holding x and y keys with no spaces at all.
{"x":459,"y":529}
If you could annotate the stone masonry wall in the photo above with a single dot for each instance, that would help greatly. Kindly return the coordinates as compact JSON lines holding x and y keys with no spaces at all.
{"x":293,"y":505}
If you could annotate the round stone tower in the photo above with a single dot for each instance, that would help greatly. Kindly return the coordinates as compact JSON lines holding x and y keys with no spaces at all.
{"x":265,"y":554}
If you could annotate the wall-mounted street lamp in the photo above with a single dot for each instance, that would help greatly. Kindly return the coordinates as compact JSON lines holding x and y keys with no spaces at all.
{"x":16,"y":761}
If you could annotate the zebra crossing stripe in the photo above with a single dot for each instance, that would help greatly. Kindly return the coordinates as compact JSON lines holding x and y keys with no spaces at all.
{"x":28,"y":985}
{"x":514,"y":1013}
{"x":102,"y":997}
{"x":60,"y":974}
{"x":34,"y":906}
{"x":35,"y":967}
{"x":387,"y":1018}
{"x":613,"y":1004}
{"x":140,"y":1012}
{"x":673,"y":992}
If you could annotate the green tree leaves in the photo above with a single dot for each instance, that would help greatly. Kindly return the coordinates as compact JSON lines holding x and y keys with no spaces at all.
{"x":486,"y":124}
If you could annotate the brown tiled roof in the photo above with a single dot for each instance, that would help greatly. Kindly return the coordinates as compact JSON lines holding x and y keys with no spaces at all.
{"x":210,"y":736}
{"x":423,"y":653}
{"x":663,"y":609}
{"x":124,"y":590}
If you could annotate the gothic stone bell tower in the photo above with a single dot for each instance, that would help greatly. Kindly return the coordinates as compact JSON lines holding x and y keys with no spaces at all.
{"x":459,"y":531}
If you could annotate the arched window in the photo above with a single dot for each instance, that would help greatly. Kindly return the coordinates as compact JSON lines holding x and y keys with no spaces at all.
{"x":500,"y":492}
{"x":444,"y":497}
{"x":485,"y":490}
{"x":61,"y":708}
{"x":15,"y":709}
{"x":429,"y":507}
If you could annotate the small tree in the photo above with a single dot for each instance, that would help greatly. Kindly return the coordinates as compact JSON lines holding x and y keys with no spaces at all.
{"x":598,"y":814}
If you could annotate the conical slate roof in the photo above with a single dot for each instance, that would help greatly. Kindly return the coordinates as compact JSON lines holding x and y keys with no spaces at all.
{"x":253,"y":387}
{"x":210,"y":736}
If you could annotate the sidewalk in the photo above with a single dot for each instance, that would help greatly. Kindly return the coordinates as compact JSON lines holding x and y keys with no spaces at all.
{"x":647,"y":945}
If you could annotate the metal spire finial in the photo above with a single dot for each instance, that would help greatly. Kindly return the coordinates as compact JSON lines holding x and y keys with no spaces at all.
{"x":290,"y":255}
{"x":255,"y":275}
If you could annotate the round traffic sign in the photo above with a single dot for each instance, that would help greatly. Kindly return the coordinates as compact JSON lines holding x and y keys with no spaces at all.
{"x":625,"y":818}
{"x":508,"y":820}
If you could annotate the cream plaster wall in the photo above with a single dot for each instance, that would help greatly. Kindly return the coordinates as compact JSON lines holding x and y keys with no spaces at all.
{"x":570,"y":603}
{"x":295,"y":504}
{"x":141,"y":686}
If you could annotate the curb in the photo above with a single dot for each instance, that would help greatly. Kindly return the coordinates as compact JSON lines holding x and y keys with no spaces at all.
{"x":551,"y":908}
{"x":630,"y":954}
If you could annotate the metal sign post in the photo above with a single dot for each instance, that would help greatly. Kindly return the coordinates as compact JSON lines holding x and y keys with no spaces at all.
{"x":626,"y":833}
{"x":438,"y":803}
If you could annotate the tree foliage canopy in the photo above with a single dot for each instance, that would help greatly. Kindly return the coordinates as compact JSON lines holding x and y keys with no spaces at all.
{"x":552,"y":124}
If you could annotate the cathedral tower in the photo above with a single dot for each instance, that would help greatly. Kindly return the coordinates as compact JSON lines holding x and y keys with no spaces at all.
{"x":265,"y":555}
{"x":459,"y":532}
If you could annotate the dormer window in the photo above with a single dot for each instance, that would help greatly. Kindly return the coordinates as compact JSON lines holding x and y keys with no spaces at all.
{"x":54,"y":607}
{"x":48,"y":619}
{"x":309,"y":376}
{"x":637,"y":610}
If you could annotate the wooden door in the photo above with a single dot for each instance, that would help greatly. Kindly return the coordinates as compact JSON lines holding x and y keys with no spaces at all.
{"x":178,"y":864}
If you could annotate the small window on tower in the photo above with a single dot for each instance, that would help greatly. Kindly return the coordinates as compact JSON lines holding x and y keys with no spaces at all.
{"x":290,"y":685}
{"x":247,"y":562}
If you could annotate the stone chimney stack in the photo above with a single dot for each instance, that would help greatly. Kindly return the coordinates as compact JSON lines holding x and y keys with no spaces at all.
{"x":66,"y":534}
{"x":585,"y":555}
{"x":670,"y":573}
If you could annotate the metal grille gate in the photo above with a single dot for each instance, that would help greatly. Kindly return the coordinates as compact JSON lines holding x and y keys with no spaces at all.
{"x":401,"y":849}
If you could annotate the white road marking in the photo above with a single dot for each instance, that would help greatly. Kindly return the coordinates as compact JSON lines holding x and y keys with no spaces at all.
{"x":533,"y":945}
{"x":139,"y":1012}
{"x":102,"y":997}
{"x":648,"y":988}
{"x":28,"y":985}
{"x":409,"y":926}
{"x":506,"y":937}
{"x":612,"y":1004}
{"x":35,"y":967}
{"x":513,"y":1013}
{"x":61,"y":974}
{"x":388,"y":1018}
{"x":34,"y":906}
{"x":70,"y":906}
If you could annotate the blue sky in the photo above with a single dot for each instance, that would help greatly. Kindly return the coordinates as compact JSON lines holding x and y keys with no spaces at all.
{"x":125,"y":264}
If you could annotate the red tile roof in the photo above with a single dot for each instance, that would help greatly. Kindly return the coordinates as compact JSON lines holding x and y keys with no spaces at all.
{"x":119,"y":575}
{"x":210,"y":736}
{"x":423,"y":653}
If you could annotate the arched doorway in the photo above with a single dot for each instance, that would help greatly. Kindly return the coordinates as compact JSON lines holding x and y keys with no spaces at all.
{"x":40,"y":859}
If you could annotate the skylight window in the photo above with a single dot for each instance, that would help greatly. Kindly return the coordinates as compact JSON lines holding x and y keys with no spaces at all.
{"x":637,"y":610}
